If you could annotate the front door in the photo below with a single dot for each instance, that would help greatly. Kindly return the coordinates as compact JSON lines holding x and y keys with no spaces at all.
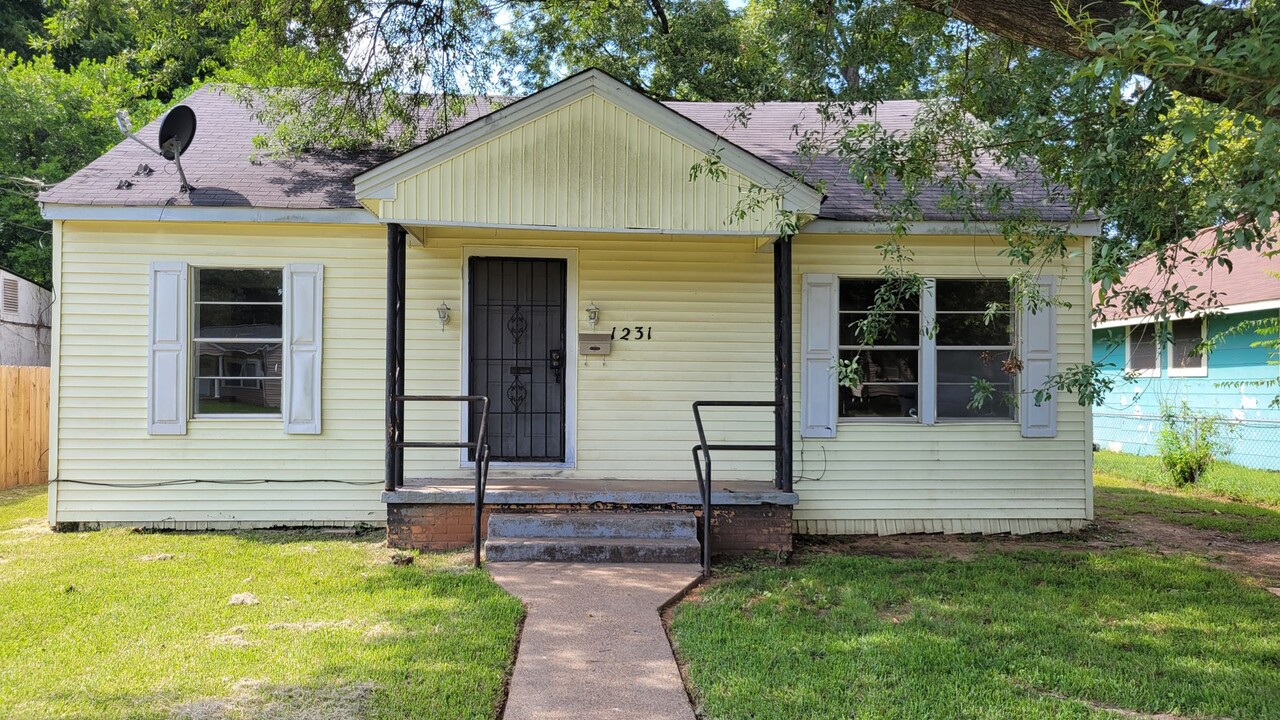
{"x":517,"y":356}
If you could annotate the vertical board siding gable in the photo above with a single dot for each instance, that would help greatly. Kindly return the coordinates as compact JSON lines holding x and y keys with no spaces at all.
{"x":587,"y":165}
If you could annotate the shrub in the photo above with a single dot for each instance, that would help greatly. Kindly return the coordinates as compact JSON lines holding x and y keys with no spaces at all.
{"x":1189,"y":442}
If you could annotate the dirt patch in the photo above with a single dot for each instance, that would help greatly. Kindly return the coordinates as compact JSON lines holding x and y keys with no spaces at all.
{"x":257,"y":700}
{"x":27,"y":531}
{"x":157,"y":557}
{"x":1114,"y":710}
{"x":895,"y":614}
{"x":1258,"y":560}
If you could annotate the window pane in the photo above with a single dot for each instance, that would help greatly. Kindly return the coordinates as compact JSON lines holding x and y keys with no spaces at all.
{"x":859,"y":294}
{"x":1143,"y":349}
{"x":1186,"y":335}
{"x":238,"y":321}
{"x":971,"y":294}
{"x":896,"y":400}
{"x":972,"y":329}
{"x":962,"y":366}
{"x":902,"y":329}
{"x":239,"y":285}
{"x":954,"y":401}
{"x":237,"y":397}
{"x":880,"y":366}
{"x":239,"y":359}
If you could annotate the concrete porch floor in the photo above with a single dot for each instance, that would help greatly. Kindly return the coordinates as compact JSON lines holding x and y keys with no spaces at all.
{"x":502,"y":490}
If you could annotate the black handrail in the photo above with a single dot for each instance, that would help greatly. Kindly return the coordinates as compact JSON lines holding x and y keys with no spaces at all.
{"x":704,"y":478}
{"x":480,"y":446}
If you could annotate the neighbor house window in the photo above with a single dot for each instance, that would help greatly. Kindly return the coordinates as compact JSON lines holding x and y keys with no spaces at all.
{"x":1185,"y":339}
{"x":1142,"y":354}
{"x":239,"y":340}
{"x":928,"y":357}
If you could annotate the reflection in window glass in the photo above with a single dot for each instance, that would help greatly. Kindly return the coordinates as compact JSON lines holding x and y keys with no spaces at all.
{"x":975,"y":343}
{"x":890,"y":370}
{"x":238,"y":340}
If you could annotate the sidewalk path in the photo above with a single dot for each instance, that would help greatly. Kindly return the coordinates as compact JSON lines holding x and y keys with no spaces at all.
{"x":593,"y":645}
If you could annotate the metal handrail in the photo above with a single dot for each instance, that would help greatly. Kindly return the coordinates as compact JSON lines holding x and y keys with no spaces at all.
{"x":705,"y":448}
{"x":480,"y":446}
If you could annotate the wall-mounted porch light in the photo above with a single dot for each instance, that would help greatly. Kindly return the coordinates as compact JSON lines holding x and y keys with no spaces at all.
{"x":593,"y":314}
{"x":442,"y":310}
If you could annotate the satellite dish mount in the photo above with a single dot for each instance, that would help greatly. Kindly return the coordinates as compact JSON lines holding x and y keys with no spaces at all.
{"x":177,"y":130}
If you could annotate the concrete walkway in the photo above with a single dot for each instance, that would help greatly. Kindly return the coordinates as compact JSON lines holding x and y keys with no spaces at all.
{"x":593,"y":645}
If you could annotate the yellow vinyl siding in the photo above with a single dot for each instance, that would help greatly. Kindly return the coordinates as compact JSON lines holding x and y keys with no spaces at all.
{"x":707,"y":299}
{"x":588,"y":165}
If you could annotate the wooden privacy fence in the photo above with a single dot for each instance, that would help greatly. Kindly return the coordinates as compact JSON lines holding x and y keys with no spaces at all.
{"x":24,"y":425}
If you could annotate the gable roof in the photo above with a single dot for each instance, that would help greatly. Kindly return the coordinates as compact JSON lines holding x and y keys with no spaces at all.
{"x":220,"y":162}
{"x":1253,"y":280}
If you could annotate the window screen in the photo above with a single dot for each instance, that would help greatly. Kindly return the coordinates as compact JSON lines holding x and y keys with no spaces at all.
{"x":238,"y":337}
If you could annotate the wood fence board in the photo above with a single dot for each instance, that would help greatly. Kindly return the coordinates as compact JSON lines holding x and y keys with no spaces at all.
{"x":24,"y":425}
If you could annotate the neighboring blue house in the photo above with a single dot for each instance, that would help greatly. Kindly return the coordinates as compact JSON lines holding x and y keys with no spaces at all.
{"x":1171,"y":371}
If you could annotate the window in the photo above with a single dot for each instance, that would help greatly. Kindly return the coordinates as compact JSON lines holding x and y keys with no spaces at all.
{"x":972,"y":346}
{"x":1185,"y":358}
{"x":929,"y":355}
{"x":1142,"y":353}
{"x":239,"y":343}
{"x":890,"y":371}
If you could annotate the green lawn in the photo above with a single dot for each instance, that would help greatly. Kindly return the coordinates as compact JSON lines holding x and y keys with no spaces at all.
{"x":1232,"y":499}
{"x":1223,"y":478}
{"x":120,"y":624}
{"x":1021,"y":636}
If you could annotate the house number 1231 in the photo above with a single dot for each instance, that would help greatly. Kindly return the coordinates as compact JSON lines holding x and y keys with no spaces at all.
{"x":631,"y":333}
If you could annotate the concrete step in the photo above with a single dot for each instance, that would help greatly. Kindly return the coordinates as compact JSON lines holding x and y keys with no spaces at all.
{"x":589,"y":550}
{"x":636,"y":526}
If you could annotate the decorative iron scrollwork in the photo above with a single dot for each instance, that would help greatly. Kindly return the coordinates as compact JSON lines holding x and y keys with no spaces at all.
{"x":516,"y":393}
{"x":516,"y":325}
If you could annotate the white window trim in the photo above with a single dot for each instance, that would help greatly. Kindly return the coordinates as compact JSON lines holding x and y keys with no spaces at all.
{"x":1128,"y":356}
{"x":927,"y":379}
{"x":193,"y":372}
{"x":1202,"y":370}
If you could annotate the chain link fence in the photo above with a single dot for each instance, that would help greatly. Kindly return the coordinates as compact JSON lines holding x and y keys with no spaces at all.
{"x":1254,"y":443}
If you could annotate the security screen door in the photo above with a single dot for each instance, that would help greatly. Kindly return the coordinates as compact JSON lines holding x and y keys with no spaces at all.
{"x":517,"y":331}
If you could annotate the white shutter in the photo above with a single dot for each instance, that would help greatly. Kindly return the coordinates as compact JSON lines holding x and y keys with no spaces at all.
{"x":819,"y":340}
{"x":1038,"y":333}
{"x":167,"y":367}
{"x":304,"y":311}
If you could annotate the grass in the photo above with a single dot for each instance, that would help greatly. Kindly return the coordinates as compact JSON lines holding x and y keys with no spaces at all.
{"x":1223,"y":479}
{"x":1240,"y":501}
{"x":1024,"y":636}
{"x":120,"y":624}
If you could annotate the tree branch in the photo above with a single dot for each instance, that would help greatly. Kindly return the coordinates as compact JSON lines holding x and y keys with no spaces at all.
{"x":1040,"y":24}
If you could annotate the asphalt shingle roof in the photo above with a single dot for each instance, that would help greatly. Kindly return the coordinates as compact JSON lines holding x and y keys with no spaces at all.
{"x":221,"y":165}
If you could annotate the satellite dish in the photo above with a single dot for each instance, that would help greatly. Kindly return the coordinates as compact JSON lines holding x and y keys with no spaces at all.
{"x":177,"y":130}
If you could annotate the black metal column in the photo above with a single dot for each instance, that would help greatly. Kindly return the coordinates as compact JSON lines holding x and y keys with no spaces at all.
{"x":395,"y":356}
{"x":783,"y":461}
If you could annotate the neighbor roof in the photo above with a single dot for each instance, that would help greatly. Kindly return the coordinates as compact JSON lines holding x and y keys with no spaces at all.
{"x":1253,"y":277}
{"x":222,"y":166}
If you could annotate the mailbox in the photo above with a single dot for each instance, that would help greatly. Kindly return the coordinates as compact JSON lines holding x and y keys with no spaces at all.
{"x":594,"y":343}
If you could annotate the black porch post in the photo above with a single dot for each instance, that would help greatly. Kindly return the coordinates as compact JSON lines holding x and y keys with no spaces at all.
{"x":395,"y":354}
{"x":782,"y":361}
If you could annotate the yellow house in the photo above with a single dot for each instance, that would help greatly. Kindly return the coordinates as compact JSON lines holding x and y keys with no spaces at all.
{"x":275,"y":346}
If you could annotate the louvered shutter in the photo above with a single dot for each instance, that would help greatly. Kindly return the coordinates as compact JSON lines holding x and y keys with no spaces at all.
{"x":1038,"y":332}
{"x":819,"y":339}
{"x":167,"y":365}
{"x":304,"y":313}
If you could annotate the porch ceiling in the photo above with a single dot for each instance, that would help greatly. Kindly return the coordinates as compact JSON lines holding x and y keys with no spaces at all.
{"x":587,"y":154}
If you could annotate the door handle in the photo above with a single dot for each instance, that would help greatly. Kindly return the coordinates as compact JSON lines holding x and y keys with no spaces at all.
{"x":556,"y":363}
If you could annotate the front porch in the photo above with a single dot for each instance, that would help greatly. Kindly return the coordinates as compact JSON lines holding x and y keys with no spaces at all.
{"x":438,"y":514}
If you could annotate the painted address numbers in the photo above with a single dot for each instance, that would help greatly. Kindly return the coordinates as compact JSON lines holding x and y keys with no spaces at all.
{"x":631,"y":333}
